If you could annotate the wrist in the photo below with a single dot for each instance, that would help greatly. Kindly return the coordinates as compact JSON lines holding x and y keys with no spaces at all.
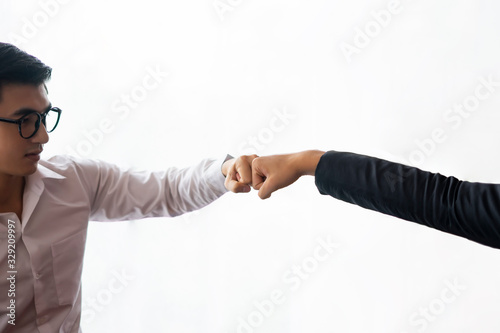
{"x":307,"y":161}
{"x":224,"y":167}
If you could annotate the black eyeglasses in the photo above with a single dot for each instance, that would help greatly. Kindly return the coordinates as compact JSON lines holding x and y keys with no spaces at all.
{"x":30,"y":122}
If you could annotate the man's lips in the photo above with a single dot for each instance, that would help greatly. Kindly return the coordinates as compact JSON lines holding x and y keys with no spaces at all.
{"x":36,"y":152}
{"x":34,"y":156}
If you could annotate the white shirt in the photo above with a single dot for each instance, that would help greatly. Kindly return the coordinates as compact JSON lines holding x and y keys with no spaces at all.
{"x":59,"y":199}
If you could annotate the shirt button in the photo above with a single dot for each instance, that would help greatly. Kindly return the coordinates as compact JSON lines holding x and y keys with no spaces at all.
{"x":38,"y":275}
{"x":42,"y":320}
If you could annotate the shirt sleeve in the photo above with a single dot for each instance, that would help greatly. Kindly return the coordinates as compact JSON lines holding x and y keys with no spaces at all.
{"x":116,"y":194}
{"x":466,"y":209}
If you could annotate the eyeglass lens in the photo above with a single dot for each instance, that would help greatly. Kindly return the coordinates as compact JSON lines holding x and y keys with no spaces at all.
{"x":31,"y":123}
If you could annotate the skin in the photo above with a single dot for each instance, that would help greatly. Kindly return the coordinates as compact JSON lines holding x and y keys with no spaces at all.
{"x":14,"y":165}
{"x":271,"y":173}
{"x":238,"y":173}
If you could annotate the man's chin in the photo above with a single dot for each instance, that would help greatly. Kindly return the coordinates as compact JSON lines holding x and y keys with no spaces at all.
{"x":32,"y":171}
{"x":28,"y":169}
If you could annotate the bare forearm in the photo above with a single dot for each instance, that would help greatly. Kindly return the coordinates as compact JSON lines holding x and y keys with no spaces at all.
{"x":306,"y":161}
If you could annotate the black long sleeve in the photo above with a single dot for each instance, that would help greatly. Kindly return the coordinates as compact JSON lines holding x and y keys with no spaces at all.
{"x":466,"y":209}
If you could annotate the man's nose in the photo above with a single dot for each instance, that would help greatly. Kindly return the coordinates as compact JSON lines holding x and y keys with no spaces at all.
{"x":41,"y":135}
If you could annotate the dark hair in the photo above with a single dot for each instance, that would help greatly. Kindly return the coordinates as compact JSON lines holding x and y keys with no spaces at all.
{"x":17,"y":66}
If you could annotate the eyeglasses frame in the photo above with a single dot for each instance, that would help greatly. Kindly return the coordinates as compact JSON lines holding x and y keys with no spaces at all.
{"x":41,"y":119}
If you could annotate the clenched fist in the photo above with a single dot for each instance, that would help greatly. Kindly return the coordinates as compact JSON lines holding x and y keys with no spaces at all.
{"x":271,"y":173}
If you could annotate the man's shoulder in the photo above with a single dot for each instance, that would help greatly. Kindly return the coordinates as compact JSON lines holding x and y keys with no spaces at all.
{"x":67,"y":164}
{"x":62,"y":162}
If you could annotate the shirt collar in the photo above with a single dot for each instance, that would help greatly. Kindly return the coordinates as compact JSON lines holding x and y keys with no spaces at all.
{"x":35,"y":181}
{"x":44,"y":172}
{"x":34,"y":188}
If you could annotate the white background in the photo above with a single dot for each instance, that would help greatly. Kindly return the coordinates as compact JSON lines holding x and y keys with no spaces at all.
{"x":229,"y":72}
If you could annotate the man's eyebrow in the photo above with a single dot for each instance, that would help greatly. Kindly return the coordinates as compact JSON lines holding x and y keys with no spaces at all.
{"x":23,"y":111}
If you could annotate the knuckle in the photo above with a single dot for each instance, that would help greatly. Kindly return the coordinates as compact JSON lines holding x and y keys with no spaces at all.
{"x":249,"y":157}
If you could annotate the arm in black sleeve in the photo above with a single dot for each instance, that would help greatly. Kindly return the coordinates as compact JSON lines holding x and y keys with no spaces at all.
{"x":470,"y":210}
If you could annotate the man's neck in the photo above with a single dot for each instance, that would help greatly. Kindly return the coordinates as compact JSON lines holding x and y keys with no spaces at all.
{"x":11,"y":190}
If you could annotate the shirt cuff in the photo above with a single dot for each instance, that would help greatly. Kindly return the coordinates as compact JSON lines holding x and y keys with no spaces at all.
{"x":324,"y":171}
{"x":215,"y":178}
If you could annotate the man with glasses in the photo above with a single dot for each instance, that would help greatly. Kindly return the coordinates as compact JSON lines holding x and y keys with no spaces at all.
{"x":45,"y":205}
